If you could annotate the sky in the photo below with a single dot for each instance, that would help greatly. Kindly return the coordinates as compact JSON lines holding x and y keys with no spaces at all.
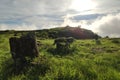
{"x":100,"y":16}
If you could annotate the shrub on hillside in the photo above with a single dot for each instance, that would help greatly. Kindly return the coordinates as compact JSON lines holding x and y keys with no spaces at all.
{"x":98,"y":42}
{"x":115,"y":41}
{"x":63,"y":45}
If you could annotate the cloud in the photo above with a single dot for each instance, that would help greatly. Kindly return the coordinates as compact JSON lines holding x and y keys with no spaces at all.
{"x":18,"y":27}
{"x":107,"y":25}
{"x":41,"y":14}
{"x":107,"y":6}
{"x":107,"y":3}
{"x":87,"y":16}
{"x":80,"y":20}
{"x":19,"y":8}
{"x":104,"y":25}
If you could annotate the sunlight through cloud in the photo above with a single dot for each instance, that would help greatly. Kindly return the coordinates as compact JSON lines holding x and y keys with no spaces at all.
{"x":82,"y":5}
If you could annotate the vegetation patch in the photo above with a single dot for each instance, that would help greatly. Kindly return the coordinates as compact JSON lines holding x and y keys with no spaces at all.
{"x":86,"y":61}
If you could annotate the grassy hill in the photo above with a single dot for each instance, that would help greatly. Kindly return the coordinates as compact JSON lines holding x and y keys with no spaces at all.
{"x":75,"y":32}
{"x":86,"y":61}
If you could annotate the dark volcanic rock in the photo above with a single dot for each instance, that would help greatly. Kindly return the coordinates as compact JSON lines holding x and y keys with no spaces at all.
{"x":23,"y":47}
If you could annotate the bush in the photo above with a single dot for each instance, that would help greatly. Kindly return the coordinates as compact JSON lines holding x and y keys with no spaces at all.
{"x":63,"y":45}
{"x":115,"y":41}
{"x":98,"y":42}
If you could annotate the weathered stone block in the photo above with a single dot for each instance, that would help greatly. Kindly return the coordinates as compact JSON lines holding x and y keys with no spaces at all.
{"x":23,"y":47}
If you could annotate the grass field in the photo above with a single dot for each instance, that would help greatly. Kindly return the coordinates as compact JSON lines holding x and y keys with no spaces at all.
{"x":86,"y":61}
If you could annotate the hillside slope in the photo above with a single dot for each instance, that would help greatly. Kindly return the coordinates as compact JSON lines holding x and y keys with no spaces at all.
{"x":87,"y":61}
{"x":75,"y":32}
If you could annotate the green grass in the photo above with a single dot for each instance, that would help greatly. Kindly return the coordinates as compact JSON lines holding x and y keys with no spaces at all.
{"x":86,"y":61}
